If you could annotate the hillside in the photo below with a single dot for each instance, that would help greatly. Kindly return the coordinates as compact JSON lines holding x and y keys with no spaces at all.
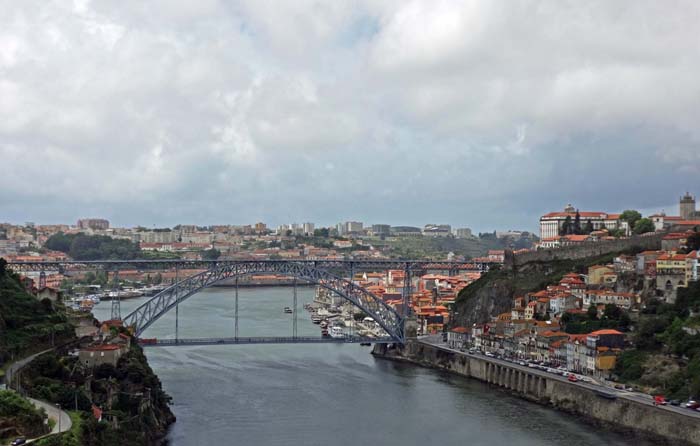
{"x":493,"y":293}
{"x":18,"y":417}
{"x":26,"y":324}
{"x":136,"y":409}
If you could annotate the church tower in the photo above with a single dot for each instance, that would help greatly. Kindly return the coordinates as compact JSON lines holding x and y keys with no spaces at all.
{"x":687,"y":207}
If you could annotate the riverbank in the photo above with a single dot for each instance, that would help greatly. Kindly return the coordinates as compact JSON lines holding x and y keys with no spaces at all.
{"x":587,"y":402}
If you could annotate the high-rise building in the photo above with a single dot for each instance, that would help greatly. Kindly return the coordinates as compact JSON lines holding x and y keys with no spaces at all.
{"x":308,"y":228}
{"x":260,"y":228}
{"x":381,"y":229}
{"x":93,"y":223}
{"x":687,"y":206}
{"x":353,"y":227}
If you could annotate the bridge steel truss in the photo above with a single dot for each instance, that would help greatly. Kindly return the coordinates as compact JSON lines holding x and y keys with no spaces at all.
{"x":149,"y":312}
{"x":326,"y":273}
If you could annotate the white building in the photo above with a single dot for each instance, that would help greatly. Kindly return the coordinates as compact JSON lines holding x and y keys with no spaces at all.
{"x":308,"y":228}
{"x":551,"y":224}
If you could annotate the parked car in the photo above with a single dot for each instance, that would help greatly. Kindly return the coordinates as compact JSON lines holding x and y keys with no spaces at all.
{"x":572,"y":378}
{"x":660,"y":400}
{"x":692,"y":404}
{"x":674,"y":403}
{"x":489,"y":354}
{"x":18,"y":441}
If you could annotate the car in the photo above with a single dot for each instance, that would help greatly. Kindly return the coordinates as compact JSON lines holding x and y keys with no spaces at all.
{"x":572,"y":378}
{"x":619,"y":387}
{"x":522,"y":363}
{"x":18,"y":441}
{"x":630,"y":389}
{"x":674,"y":403}
{"x":489,"y":354}
{"x":692,"y":404}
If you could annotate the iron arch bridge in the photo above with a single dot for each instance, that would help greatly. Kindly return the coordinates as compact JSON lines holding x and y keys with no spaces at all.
{"x":149,"y":312}
{"x":328,"y":273}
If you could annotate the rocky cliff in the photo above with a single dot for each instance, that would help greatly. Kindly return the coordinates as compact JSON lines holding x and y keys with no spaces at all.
{"x":493,"y":293}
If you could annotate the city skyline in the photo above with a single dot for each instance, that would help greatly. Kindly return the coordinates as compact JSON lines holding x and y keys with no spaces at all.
{"x":216,"y":113}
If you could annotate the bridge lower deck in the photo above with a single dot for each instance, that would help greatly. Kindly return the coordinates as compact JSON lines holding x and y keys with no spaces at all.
{"x":264,"y":340}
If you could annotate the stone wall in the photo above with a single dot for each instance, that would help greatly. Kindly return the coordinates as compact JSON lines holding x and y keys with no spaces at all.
{"x":584,"y":250}
{"x":643,"y":420}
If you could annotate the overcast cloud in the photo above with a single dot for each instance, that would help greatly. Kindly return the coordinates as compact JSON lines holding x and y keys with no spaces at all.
{"x":480,"y":114}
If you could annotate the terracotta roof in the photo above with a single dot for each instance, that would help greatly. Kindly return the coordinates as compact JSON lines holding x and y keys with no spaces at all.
{"x":102,"y":347}
{"x":605,"y":332}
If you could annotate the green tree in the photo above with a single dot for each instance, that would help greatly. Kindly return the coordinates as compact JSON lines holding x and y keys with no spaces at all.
{"x":592,"y":312}
{"x":211,"y":254}
{"x":321,"y":232}
{"x":588,"y":228}
{"x":631,"y":217}
{"x":566,"y":227}
{"x":643,"y":225}
{"x":693,"y":243}
{"x":577,"y":223}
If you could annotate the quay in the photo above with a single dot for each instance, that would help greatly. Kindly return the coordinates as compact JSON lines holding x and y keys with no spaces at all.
{"x":624,"y":411}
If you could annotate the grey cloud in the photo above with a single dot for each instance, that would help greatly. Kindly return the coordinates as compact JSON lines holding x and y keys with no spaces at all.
{"x":473,"y":113}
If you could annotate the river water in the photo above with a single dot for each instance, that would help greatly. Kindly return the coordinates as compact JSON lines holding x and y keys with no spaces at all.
{"x":327,"y":394}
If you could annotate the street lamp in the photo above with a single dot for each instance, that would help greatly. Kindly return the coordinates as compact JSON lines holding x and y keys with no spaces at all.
{"x":59,"y":416}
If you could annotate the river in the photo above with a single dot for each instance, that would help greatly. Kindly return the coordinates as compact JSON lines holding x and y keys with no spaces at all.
{"x":327,"y":394}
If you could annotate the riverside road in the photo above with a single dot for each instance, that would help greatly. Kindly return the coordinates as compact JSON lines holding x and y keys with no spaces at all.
{"x":436,"y":341}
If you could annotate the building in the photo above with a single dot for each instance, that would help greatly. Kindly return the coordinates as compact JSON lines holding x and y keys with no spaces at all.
{"x":691,"y":266}
{"x":381,"y":230}
{"x":459,"y":337}
{"x":463,"y":233}
{"x":434,"y":230}
{"x":260,"y":228}
{"x":687,"y":207}
{"x":406,"y":231}
{"x":670,"y":274}
{"x":601,"y":275}
{"x":93,"y":223}
{"x":308,"y":228}
{"x":551,"y":224}
{"x":96,"y":355}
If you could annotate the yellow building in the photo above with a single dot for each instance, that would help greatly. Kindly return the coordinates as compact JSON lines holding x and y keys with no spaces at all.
{"x":597,"y":273}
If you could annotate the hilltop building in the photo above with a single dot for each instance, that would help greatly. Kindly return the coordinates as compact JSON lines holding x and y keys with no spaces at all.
{"x":552,"y":223}
{"x":93,"y":223}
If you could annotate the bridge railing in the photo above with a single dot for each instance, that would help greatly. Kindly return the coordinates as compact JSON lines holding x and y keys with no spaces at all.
{"x":265,"y":340}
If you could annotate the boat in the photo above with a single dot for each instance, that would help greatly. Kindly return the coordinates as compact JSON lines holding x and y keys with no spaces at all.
{"x":324,"y":332}
{"x":365,"y":344}
{"x":316,"y":319}
{"x":288,"y":310}
{"x":324,"y":324}
{"x":337,"y":332}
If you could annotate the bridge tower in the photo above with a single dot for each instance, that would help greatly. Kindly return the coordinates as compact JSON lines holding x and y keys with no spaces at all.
{"x":116,"y":303}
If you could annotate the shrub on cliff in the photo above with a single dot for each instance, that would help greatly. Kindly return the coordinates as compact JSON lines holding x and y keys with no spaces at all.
{"x":19,"y":417}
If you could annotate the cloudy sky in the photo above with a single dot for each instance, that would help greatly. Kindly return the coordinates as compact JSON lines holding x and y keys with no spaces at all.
{"x":480,"y":114}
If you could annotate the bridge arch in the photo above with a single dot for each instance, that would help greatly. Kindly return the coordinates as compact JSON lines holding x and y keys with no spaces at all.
{"x":150,"y":311}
